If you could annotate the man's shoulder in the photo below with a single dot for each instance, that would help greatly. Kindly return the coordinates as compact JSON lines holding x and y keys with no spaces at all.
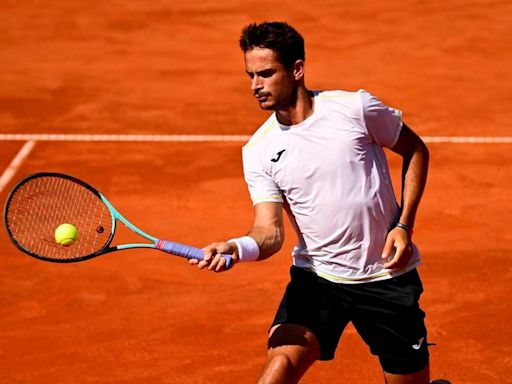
{"x":339,"y":95}
{"x":347,"y":103}
{"x":263,"y":133}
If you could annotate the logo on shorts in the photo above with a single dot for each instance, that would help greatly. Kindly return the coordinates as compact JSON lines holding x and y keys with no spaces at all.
{"x":420,"y":342}
{"x":278,"y":156}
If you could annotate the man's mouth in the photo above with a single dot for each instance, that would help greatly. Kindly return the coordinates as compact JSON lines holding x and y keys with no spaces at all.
{"x":261,"y":97}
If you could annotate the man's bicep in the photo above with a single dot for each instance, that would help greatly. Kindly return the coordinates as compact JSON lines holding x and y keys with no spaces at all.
{"x":268,"y":214}
{"x":268,"y":229}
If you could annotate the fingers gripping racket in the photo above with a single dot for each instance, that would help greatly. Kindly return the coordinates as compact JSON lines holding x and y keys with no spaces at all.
{"x":41,"y":202}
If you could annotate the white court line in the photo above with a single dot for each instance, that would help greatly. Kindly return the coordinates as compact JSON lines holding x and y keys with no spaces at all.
{"x":218,"y":138}
{"x":468,"y":139}
{"x":32,"y":138}
{"x":11,"y":169}
{"x":123,"y":138}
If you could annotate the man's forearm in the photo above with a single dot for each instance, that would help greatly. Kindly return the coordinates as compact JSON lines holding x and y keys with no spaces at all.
{"x":414,"y":176}
{"x":269,"y":240}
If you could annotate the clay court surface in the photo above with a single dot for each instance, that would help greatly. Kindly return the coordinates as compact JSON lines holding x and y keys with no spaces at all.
{"x":174,"y":68}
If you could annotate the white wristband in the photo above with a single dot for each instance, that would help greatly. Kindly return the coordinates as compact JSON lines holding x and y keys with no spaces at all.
{"x":248,"y":249}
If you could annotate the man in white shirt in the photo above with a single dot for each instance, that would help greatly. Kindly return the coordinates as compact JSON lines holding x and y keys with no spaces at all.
{"x":319,"y":157}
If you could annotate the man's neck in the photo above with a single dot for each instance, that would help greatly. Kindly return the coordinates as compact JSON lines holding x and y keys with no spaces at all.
{"x":300,"y":111}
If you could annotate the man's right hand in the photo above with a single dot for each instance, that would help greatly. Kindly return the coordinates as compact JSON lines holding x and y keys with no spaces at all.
{"x":213,"y":257}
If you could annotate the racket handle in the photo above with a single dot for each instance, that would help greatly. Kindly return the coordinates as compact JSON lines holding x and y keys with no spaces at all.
{"x":186,"y":251}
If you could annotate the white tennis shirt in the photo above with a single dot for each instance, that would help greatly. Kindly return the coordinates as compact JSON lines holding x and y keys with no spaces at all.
{"x":331,"y":173}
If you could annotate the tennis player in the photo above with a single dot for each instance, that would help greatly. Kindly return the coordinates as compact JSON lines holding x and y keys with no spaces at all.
{"x":320,"y":157}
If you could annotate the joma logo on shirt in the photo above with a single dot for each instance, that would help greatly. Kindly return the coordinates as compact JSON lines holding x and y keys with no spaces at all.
{"x":278,"y":156}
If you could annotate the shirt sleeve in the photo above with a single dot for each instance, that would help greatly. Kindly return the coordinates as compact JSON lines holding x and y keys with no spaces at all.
{"x":262,"y":187}
{"x":383,"y":123}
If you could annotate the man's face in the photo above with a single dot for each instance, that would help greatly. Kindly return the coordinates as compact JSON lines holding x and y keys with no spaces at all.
{"x":272,"y":84}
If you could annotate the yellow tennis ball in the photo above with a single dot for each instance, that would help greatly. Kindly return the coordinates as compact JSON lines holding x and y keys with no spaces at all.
{"x":66,"y":234}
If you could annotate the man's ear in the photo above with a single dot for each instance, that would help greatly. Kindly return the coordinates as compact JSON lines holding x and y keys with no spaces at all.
{"x":298,"y":69}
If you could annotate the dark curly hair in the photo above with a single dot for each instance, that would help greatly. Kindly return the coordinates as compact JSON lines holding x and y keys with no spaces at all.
{"x":280,"y":37}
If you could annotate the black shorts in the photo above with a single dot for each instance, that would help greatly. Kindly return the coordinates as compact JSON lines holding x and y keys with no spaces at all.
{"x":385,"y":313}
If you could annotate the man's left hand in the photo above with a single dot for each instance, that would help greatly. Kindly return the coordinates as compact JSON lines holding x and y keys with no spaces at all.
{"x":398,"y":248}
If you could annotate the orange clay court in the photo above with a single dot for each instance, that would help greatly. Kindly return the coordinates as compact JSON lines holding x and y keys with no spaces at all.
{"x":174,"y":68}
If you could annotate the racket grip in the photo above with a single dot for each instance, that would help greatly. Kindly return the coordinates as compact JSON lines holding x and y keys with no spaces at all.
{"x":186,"y":251}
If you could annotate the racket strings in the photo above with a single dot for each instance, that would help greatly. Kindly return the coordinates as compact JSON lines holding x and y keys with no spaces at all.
{"x":41,"y":204}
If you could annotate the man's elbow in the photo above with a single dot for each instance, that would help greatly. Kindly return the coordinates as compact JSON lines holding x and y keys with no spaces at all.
{"x":423,"y":150}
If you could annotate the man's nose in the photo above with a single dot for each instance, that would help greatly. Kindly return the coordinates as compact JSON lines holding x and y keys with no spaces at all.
{"x":256,"y":83}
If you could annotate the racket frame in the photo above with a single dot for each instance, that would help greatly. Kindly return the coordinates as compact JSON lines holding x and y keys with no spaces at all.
{"x":114,"y":213}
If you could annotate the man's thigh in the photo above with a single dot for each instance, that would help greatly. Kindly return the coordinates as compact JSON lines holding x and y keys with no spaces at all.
{"x":388,"y":317}
{"x":311,"y":303}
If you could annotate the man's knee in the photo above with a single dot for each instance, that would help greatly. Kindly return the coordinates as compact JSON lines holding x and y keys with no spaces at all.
{"x":279,"y":369}
{"x":291,"y":351}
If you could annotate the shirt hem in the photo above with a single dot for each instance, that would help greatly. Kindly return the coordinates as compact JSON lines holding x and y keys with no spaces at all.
{"x":379,"y":276}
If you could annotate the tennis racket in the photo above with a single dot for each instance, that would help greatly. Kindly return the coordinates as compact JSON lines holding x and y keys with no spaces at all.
{"x":41,"y":202}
